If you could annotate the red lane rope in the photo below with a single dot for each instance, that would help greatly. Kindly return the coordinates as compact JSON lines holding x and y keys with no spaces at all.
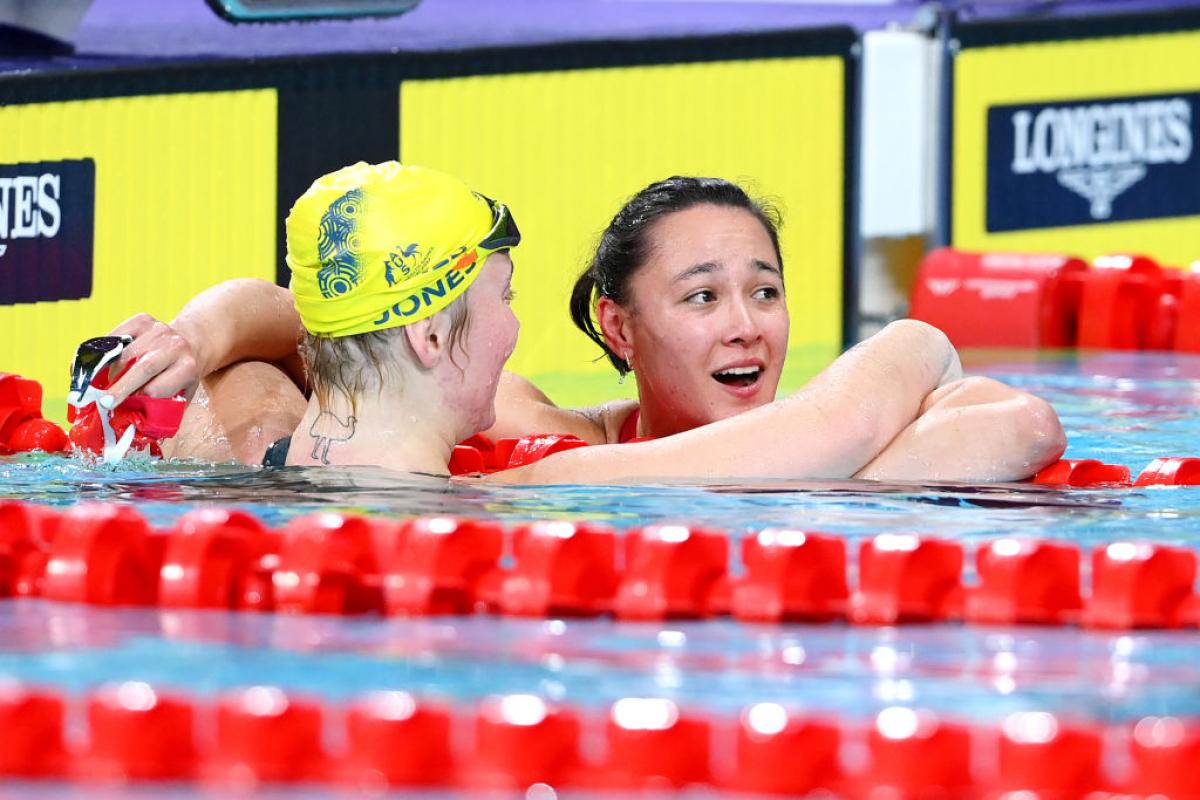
{"x":106,"y":554}
{"x":263,"y":734}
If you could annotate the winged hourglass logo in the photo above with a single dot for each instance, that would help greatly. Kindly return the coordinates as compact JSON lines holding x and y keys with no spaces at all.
{"x":1102,"y":185}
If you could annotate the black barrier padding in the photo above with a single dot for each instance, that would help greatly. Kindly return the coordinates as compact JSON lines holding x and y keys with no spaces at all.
{"x":851,"y":181}
{"x":1025,"y":30}
{"x":337,"y":116}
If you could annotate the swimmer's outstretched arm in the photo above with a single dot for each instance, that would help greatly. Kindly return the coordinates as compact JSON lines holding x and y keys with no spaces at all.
{"x":239,"y":320}
{"x":831,"y":428}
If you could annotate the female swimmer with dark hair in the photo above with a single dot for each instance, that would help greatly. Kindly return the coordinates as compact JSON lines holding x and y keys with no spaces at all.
{"x":686,"y":290}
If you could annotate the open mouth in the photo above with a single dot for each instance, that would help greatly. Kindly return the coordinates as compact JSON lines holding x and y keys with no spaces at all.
{"x":739,"y":376}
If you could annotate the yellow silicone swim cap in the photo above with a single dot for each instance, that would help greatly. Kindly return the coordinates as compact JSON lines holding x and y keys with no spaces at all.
{"x":373,"y":246}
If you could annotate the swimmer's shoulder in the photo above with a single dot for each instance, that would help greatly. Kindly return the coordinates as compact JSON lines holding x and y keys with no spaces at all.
{"x":612,"y":417}
{"x":522,"y":410}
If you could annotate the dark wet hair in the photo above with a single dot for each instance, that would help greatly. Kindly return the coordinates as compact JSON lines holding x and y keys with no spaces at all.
{"x":625,"y":244}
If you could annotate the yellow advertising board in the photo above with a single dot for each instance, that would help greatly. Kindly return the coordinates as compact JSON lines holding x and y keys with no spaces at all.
{"x":564,"y":149}
{"x":125,"y":204}
{"x":1084,"y":145}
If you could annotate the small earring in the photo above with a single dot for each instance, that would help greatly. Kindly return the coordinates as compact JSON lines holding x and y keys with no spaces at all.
{"x":628,"y":369}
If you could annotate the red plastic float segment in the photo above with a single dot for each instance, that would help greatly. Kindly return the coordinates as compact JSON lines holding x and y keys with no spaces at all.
{"x":999,"y":299}
{"x":138,"y":733}
{"x":915,"y":754}
{"x":1163,"y":325}
{"x":38,"y":434}
{"x":529,"y":449}
{"x":465,"y":460}
{"x":26,"y":531}
{"x":157,"y":417}
{"x":562,"y":569}
{"x":1083,"y":473}
{"x":1047,"y":757}
{"x":1187,"y":328}
{"x":1171,"y":472}
{"x":521,"y":740}
{"x":493,"y":455}
{"x":479,"y":454}
{"x":672,"y":572}
{"x":439,"y":566}
{"x":395,"y":739}
{"x":1165,"y":755}
{"x":1025,"y":581}
{"x":1142,"y":585}
{"x":22,"y":427}
{"x":907,"y":578}
{"x":27,"y":524}
{"x":652,"y":743}
{"x":782,"y":753}
{"x":791,"y":575}
{"x":104,"y":555}
{"x":31,"y":732}
{"x":209,"y":557}
{"x":264,"y":735}
{"x":1121,"y":294}
{"x":330,"y":563}
{"x":22,"y":393}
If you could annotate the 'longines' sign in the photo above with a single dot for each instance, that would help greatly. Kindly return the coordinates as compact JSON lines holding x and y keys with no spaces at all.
{"x":1092,"y":161}
{"x":47,"y":227}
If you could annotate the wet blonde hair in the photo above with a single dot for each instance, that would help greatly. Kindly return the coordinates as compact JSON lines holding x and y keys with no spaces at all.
{"x":349,"y":366}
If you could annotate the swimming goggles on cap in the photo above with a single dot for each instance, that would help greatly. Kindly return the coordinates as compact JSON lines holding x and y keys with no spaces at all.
{"x":504,"y":233}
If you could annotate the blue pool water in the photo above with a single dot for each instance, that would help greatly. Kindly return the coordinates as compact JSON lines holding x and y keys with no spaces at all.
{"x":1120,"y":408}
{"x":1125,"y":409}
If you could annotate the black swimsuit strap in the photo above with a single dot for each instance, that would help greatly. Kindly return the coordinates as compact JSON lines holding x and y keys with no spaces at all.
{"x":276,"y":455}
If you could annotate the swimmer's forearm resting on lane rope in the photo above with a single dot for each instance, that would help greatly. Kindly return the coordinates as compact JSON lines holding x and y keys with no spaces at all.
{"x":831,"y":428}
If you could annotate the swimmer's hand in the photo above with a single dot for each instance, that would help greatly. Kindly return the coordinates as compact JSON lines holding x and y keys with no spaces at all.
{"x":170,"y":360}
{"x":244,"y":319}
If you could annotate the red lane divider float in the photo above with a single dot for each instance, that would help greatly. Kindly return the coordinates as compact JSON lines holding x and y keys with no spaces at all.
{"x":1088,"y":473}
{"x":907,"y":578}
{"x":1083,"y":473}
{"x":22,"y":426}
{"x":562,"y":569}
{"x":1025,"y":581}
{"x":134,"y":732}
{"x":1119,"y":302}
{"x":344,"y":564}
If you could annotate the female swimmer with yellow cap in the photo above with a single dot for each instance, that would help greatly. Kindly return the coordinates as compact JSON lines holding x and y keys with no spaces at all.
{"x":688,"y":286}
{"x":402,"y":279}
